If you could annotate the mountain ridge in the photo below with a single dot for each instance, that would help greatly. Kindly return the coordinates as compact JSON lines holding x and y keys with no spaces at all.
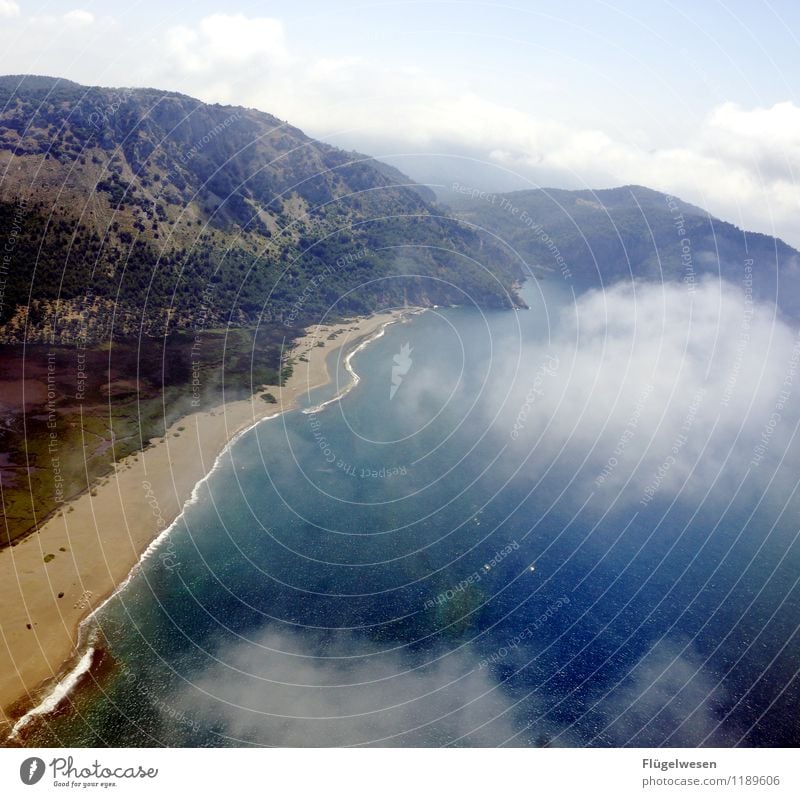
{"x":631,"y":232}
{"x":234,"y":197}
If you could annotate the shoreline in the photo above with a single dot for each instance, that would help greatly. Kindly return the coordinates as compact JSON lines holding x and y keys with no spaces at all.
{"x":103,"y":538}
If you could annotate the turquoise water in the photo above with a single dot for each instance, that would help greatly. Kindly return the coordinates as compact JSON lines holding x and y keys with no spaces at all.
{"x":439,"y":566}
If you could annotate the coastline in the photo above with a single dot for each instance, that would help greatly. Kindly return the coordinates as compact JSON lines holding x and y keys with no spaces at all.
{"x":53,"y":581}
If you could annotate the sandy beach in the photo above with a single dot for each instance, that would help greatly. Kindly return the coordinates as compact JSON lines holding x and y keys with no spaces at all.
{"x":54,"y":579}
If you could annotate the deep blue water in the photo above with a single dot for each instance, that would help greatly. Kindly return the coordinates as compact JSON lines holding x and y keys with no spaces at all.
{"x":416,"y":570}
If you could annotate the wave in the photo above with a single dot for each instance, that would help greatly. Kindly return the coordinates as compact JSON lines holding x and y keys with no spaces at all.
{"x":58,"y":692}
{"x":354,"y":377}
{"x":87,"y":632}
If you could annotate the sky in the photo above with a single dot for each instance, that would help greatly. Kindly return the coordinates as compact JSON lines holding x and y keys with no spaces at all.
{"x":699,"y":99}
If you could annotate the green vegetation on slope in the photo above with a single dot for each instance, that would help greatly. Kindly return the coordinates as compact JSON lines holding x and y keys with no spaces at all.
{"x":142,"y":202}
{"x":593,"y":239}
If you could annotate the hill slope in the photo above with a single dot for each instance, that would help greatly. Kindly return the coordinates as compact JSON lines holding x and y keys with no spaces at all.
{"x":199,"y":239}
{"x":148,"y":209}
{"x":595,"y":238}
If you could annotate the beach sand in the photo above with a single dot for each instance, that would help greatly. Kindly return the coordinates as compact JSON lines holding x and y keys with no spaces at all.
{"x":100,"y":536}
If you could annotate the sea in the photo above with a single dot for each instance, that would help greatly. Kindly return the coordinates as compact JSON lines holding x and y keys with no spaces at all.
{"x":505,"y":534}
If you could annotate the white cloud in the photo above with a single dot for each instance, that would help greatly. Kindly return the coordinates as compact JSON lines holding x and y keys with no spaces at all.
{"x":223,"y":41}
{"x":334,"y":69}
{"x":666,"y":699}
{"x":310,"y":690}
{"x":79,"y":18}
{"x":660,"y":393}
{"x":740,"y":165}
{"x":8,"y":9}
{"x":768,"y":134}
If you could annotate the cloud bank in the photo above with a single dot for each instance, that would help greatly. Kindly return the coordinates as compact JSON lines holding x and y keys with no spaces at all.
{"x":309,"y":690}
{"x":660,"y":392}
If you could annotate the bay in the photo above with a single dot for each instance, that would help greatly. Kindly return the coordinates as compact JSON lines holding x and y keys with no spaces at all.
{"x":436,"y":559}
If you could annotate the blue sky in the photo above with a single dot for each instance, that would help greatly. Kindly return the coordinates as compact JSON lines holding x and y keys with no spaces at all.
{"x":696,"y":98}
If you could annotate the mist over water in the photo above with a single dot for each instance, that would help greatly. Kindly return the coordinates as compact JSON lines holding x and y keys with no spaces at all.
{"x":573,"y":525}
